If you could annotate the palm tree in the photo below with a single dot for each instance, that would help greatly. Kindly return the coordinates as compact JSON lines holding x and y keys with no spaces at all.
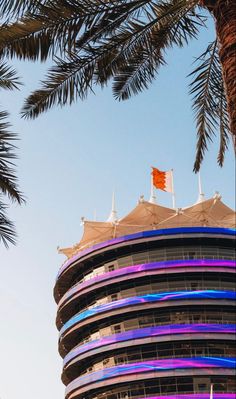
{"x":8,"y":180}
{"x":94,"y":41}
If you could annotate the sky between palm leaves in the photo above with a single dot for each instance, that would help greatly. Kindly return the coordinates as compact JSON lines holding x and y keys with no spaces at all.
{"x":71,"y":159}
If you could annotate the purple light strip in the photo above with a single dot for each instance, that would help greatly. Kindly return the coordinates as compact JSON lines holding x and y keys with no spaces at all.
{"x":148,"y":298}
{"x":145,"y":234}
{"x":152,"y":366}
{"x":150,"y":332}
{"x":194,"y":396}
{"x":198,"y":263}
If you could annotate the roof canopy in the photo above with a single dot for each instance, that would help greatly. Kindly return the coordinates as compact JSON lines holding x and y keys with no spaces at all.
{"x":148,"y":216}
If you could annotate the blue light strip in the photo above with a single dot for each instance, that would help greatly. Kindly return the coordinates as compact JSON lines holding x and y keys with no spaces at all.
{"x":160,"y":297}
{"x":198,"y":264}
{"x":206,"y":363}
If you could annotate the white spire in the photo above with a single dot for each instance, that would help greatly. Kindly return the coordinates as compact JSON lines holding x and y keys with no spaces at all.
{"x":201,"y":196}
{"x":113,"y":215}
{"x":153,"y":198}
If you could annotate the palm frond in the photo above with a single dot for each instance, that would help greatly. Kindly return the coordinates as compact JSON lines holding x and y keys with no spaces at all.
{"x":143,"y":53}
{"x":16,"y":8}
{"x":224,"y":125}
{"x":209,"y":103}
{"x":8,"y":180}
{"x":7,"y":228}
{"x":8,"y":78}
{"x":55,"y":26}
{"x":40,"y":34}
{"x":131,"y":53}
{"x":65,"y":82}
{"x":131,"y":48}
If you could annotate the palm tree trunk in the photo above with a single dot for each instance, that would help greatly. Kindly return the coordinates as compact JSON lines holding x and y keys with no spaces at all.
{"x":224,"y":12}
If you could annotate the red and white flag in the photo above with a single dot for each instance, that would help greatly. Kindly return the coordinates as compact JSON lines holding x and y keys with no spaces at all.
{"x":163,"y":180}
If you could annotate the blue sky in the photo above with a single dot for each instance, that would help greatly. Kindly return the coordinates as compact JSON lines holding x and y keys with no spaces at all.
{"x":70,"y":161}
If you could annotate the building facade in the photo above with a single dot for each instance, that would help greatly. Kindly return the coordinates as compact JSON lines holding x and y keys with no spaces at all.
{"x":150,"y":314}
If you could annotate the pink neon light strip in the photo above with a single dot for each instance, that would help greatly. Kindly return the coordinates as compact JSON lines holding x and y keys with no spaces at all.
{"x":197,"y":263}
{"x":194,"y":396}
{"x":151,"y":332}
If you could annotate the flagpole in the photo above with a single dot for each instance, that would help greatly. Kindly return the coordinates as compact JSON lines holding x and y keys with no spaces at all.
{"x":152,"y":194}
{"x":173,"y":191}
{"x":200,"y":193}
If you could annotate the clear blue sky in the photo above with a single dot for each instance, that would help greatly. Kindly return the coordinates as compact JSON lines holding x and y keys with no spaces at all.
{"x":71,"y":159}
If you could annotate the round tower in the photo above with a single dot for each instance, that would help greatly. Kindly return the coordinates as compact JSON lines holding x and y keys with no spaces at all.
{"x":146,"y":305}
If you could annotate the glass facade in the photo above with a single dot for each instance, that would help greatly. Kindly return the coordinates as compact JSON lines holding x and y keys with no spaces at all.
{"x":147,"y":285}
{"x":149,"y":320}
{"x":166,"y":386}
{"x":164,"y":350}
{"x":156,"y":255}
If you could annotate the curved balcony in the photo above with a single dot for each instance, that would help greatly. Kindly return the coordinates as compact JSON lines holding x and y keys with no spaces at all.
{"x":150,"y":369}
{"x":147,"y":269}
{"x":149,"y":298}
{"x":150,"y":335}
{"x":168,"y":236}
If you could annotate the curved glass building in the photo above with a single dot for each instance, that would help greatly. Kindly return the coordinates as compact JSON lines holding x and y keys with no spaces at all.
{"x":146,"y":305}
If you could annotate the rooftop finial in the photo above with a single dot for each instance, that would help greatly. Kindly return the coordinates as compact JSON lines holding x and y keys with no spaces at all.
{"x":113,"y":215}
{"x":217,"y":195}
{"x":201,"y":196}
{"x":82,"y":219}
{"x":141,"y":199}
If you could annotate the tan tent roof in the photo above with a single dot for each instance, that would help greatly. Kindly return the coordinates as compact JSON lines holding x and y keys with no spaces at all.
{"x":148,"y":216}
{"x":147,"y":213}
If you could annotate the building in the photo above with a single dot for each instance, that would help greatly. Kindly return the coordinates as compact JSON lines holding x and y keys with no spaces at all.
{"x":146,"y":305}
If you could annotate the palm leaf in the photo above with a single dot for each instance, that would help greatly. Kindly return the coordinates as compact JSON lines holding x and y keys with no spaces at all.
{"x":55,"y":26}
{"x":144,"y":54}
{"x":8,"y":180}
{"x":8,"y":77}
{"x":209,"y":103}
{"x":65,"y":82}
{"x":131,"y":53}
{"x":16,"y":8}
{"x":50,"y":29}
{"x":7,"y":229}
{"x":224,"y":126}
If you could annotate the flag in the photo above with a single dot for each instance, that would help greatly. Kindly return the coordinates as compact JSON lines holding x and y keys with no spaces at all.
{"x":162,"y":180}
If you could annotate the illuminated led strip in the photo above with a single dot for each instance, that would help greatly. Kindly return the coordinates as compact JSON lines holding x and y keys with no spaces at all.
{"x":148,"y":298}
{"x":151,"y":332}
{"x":146,"y":234}
{"x":198,"y":263}
{"x":152,"y":366}
{"x":194,"y":396}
